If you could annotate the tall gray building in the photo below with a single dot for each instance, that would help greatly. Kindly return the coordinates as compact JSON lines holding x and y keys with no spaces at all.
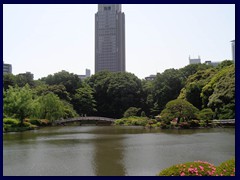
{"x":110,"y":38}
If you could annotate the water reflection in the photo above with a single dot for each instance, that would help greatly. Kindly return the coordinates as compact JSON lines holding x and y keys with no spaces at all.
{"x":108,"y":156}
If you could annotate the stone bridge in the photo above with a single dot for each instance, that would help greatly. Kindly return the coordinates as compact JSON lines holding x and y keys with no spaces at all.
{"x":92,"y":119}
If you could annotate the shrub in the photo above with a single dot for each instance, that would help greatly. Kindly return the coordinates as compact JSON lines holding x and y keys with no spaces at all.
{"x":194,"y":123}
{"x":10,"y":121}
{"x":45,"y":122}
{"x":197,"y":168}
{"x":227,"y":168}
{"x":184,"y":125}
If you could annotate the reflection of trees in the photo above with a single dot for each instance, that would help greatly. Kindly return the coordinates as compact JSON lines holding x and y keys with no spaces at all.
{"x":108,"y":156}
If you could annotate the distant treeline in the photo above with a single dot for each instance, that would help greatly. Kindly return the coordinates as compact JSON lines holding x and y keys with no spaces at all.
{"x":107,"y":94}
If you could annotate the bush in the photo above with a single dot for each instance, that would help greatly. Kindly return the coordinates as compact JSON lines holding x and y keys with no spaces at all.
{"x":12,"y":122}
{"x":36,"y":122}
{"x":227,"y":168}
{"x":200,"y":168}
{"x":197,"y":168}
{"x":194,"y":123}
{"x":184,"y":125}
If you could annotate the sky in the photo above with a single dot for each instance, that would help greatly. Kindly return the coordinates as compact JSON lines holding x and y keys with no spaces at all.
{"x":47,"y":38}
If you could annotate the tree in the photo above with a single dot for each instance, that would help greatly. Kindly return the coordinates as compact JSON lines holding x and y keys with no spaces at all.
{"x":220,"y":92}
{"x":17,"y":102}
{"x":83,"y":100}
{"x":8,"y":80}
{"x":59,"y":90}
{"x":132,"y":111}
{"x":166,"y":87}
{"x":115,"y":92}
{"x":205,"y":114}
{"x":71,"y":81}
{"x":49,"y":107}
{"x":179,"y":108}
{"x":194,"y":84}
{"x":24,"y":78}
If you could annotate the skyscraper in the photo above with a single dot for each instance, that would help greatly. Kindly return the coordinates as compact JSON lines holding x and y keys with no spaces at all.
{"x":110,"y":38}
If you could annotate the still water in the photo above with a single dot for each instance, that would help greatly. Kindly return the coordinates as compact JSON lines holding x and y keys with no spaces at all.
{"x":107,"y":150}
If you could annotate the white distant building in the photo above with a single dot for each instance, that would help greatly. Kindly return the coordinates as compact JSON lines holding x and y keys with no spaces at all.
{"x":195,"y":61}
{"x":233,"y":50}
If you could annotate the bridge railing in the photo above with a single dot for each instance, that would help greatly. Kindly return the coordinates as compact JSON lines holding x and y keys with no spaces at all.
{"x":223,"y":121}
{"x":90,"y":118}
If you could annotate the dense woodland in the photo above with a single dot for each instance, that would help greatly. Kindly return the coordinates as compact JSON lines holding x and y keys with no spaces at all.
{"x":195,"y":91}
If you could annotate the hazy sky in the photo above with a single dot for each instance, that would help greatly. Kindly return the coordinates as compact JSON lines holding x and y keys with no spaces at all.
{"x":45,"y":39}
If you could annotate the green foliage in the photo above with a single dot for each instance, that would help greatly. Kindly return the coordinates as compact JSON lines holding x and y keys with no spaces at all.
{"x":226,"y":168}
{"x":180,"y":109}
{"x":205,"y":114}
{"x":17,"y":102}
{"x":24,"y":79}
{"x":8,"y":80}
{"x":115,"y":92}
{"x":59,"y":90}
{"x":194,"y":84}
{"x":132,"y":121}
{"x":208,"y":89}
{"x":132,"y":111}
{"x":83,"y":100}
{"x":49,"y":107}
{"x":166,"y":87}
{"x":12,"y":122}
{"x":200,"y":168}
{"x":197,"y":168}
{"x":224,"y":64}
{"x":69,"y":80}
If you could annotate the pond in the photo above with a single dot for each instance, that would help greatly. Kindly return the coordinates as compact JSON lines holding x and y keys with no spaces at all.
{"x":110,"y":150}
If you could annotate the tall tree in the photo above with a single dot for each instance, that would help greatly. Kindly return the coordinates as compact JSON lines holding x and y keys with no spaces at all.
{"x":17,"y":102}
{"x":83,"y":100}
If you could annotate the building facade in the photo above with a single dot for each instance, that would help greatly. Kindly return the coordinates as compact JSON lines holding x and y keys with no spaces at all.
{"x":7,"y":68}
{"x":87,"y":74}
{"x":233,"y":50}
{"x":110,"y":38}
{"x":195,"y":61}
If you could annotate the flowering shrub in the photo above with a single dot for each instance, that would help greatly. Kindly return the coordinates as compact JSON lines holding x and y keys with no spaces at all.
{"x":227,"y":168}
{"x":200,"y":168}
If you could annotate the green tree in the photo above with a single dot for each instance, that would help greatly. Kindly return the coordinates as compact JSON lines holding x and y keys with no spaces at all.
{"x":132,"y":111}
{"x":167,"y":87}
{"x":115,"y":92}
{"x":205,"y":114}
{"x":71,"y":81}
{"x":49,"y":107}
{"x":17,"y":102}
{"x":8,"y":80}
{"x":59,"y":90}
{"x":179,"y":108}
{"x":24,"y":78}
{"x":220,"y":92}
{"x":83,"y":100}
{"x":194,"y":84}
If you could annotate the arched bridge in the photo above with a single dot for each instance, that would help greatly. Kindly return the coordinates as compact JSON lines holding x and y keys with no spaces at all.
{"x":91,"y":119}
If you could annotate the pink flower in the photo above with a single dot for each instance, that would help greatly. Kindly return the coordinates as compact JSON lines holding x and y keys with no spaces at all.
{"x":202,"y":168}
{"x":182,"y":174}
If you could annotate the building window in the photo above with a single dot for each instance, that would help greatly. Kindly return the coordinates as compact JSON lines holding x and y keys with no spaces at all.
{"x":107,"y":8}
